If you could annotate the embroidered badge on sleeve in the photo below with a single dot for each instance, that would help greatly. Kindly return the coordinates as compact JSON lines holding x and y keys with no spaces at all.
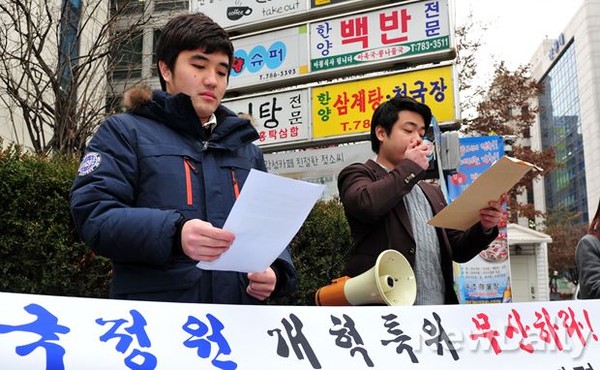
{"x":89,"y":164}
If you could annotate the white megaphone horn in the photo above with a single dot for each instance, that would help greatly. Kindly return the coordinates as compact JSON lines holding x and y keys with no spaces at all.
{"x":390,"y":281}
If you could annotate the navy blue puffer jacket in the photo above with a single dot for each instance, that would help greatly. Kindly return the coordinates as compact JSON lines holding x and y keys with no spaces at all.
{"x":146,"y":169}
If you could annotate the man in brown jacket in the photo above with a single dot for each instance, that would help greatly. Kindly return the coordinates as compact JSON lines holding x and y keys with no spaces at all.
{"x":388,"y":206}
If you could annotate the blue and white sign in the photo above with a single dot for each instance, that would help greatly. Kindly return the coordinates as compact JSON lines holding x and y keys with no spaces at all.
{"x":278,"y":55}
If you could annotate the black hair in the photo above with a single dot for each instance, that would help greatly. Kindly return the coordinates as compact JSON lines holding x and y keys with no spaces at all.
{"x":190,"y":32}
{"x":386,"y":114}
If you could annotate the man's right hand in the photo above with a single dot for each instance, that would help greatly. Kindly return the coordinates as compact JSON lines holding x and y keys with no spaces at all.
{"x":418,"y":151}
{"x":203,"y":242}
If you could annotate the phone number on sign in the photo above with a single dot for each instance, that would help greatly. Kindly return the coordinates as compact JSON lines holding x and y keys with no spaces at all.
{"x":284,"y":73}
{"x":357,"y":125}
{"x":430,"y":45}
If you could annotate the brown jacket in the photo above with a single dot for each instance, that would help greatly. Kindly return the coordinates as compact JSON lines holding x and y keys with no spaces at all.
{"x":371,"y":196}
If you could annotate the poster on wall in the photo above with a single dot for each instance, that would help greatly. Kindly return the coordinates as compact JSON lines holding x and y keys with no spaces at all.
{"x":486,"y":278}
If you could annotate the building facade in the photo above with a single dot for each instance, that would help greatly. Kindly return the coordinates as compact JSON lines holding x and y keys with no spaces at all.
{"x":134,"y":55}
{"x":569,"y":119}
{"x":65,"y":65}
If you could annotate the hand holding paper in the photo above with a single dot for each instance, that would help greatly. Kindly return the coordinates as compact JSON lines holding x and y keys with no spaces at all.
{"x":201,"y":241}
{"x":497,"y":180}
{"x":261,"y":284}
{"x":492,"y":215}
{"x":268,"y":213}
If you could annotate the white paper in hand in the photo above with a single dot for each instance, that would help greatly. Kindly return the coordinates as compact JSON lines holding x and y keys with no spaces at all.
{"x":266,"y":216}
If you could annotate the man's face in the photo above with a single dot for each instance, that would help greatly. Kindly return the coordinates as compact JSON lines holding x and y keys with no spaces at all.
{"x":408,"y":129}
{"x":202,"y":76}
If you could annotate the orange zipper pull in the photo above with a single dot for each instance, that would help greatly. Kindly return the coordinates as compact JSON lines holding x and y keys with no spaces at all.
{"x":236,"y":188}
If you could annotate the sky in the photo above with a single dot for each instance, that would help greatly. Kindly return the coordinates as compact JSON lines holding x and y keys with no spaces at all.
{"x":516,"y":28}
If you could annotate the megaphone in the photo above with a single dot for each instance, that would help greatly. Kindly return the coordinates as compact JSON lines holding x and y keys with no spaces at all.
{"x":390,"y":281}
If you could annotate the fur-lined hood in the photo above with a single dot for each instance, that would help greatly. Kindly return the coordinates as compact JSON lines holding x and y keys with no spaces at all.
{"x":136,"y":97}
{"x":177,"y":112}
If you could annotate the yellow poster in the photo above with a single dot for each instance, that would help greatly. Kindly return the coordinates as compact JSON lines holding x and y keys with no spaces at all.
{"x":346,"y":108}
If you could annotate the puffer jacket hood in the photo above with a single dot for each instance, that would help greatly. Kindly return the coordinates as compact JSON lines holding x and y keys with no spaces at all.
{"x":177,"y":112}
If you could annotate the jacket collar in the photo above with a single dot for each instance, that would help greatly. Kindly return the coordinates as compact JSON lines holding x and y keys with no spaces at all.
{"x":177,"y":112}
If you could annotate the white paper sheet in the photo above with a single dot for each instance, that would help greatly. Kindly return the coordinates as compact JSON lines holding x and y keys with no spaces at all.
{"x":266,"y":216}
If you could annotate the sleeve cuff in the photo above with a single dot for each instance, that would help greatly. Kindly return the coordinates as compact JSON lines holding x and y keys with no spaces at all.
{"x":176,"y":249}
{"x":488,"y":232}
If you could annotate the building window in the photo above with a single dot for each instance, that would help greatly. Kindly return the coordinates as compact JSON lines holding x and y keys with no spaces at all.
{"x":127,"y":6}
{"x":560,"y":125}
{"x":155,"y":36}
{"x":69,"y":42}
{"x":126,"y":56}
{"x":168,"y":5}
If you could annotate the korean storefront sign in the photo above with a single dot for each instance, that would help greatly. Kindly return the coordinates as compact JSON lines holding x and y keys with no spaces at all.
{"x":316,"y":161}
{"x":346,"y":108}
{"x":278,"y":55}
{"x":279,"y":118}
{"x":319,"y":166}
{"x":322,"y":3}
{"x":230,"y":13}
{"x":391,"y":33}
{"x":48,"y":332}
{"x":336,"y":47}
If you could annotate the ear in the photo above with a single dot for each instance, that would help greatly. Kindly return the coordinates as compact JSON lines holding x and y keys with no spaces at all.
{"x":164,"y":70}
{"x":380,"y":133}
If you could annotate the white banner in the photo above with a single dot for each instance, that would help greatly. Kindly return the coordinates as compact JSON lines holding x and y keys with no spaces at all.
{"x":47,"y":332}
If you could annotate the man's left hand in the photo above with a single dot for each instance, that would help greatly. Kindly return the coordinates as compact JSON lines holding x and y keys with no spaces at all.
{"x":261,"y":284}
{"x":492,"y":215}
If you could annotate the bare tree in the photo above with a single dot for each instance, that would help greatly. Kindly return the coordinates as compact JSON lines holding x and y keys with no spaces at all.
{"x":468,"y":42}
{"x":56,"y":60}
